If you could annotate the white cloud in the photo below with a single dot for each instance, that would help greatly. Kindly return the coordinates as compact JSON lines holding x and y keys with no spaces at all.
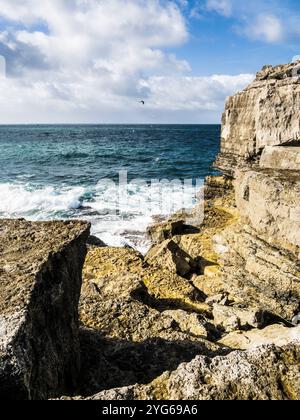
{"x":224,"y":7}
{"x":193,"y":93}
{"x":265,"y":27}
{"x":267,"y":21}
{"x":92,"y":60}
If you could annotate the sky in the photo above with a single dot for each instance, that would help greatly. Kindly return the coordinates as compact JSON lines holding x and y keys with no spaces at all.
{"x":93,"y":61}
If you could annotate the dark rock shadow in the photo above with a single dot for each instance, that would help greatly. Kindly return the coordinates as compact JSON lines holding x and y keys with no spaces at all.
{"x":113,"y":363}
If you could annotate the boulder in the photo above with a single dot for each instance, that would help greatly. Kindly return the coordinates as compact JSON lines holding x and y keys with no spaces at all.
{"x":131,"y":334}
{"x":232,"y":318}
{"x":169,"y":255}
{"x":278,"y":335}
{"x":265,"y":373}
{"x":192,"y":323}
{"x":40,"y":276}
{"x":160,"y":232}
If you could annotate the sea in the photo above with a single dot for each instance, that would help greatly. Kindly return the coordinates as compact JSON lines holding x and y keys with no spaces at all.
{"x":120,"y":178}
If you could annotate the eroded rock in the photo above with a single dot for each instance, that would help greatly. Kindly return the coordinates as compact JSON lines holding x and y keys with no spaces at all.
{"x":160,"y":232}
{"x":132,"y":334}
{"x":169,"y":255}
{"x":232,"y":318}
{"x":278,"y":335}
{"x":266,"y":113}
{"x":40,"y":276}
{"x":281,"y":158}
{"x":265,"y":373}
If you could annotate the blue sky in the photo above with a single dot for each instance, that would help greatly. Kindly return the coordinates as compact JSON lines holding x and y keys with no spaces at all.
{"x":92,"y":61}
{"x":217,"y":40}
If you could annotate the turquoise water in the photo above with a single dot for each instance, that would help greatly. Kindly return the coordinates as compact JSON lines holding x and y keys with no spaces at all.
{"x":53,"y":172}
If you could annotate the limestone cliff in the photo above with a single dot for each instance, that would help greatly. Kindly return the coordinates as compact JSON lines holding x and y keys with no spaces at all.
{"x":261,"y":135}
{"x":210,"y":312}
{"x":233,"y":280}
{"x":40,"y":278}
{"x":265,"y":114}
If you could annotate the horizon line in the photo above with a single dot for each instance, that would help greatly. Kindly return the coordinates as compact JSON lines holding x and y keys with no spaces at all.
{"x":98,"y":124}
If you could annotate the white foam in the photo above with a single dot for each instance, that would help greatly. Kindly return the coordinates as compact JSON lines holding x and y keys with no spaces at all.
{"x":115,"y":222}
{"x":17,"y":200}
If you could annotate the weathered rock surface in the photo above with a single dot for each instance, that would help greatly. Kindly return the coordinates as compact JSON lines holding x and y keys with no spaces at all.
{"x":266,"y":113}
{"x":231,"y":318}
{"x":273,"y":334}
{"x":131,"y":335}
{"x":160,"y":232}
{"x":208,"y":286}
{"x":260,"y":254}
{"x":245,"y":288}
{"x":169,"y":255}
{"x":40,"y":278}
{"x":269,"y":201}
{"x":260,"y":274}
{"x":281,"y":158}
{"x":265,"y":373}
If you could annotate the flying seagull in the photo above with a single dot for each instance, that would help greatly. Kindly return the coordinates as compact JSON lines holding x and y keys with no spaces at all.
{"x":142,"y":102}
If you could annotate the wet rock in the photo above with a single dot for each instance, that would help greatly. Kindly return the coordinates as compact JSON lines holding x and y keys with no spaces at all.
{"x":40,"y":275}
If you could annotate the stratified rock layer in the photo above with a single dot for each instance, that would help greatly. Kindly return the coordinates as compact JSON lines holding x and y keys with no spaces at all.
{"x":265,"y":114}
{"x":40,"y":278}
{"x":259,"y":255}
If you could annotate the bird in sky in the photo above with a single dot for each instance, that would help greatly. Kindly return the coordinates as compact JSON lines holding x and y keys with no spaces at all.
{"x":142,"y":102}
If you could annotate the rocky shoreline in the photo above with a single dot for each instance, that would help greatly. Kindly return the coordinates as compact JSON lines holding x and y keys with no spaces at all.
{"x":210,"y":312}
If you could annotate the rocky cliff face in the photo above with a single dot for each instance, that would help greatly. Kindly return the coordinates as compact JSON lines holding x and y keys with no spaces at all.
{"x":40,"y":278}
{"x":267,"y":113}
{"x":236,"y":277}
{"x":210,"y":312}
{"x":260,"y":258}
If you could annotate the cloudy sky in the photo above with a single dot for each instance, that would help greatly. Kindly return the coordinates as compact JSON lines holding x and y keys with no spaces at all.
{"x":92,"y":61}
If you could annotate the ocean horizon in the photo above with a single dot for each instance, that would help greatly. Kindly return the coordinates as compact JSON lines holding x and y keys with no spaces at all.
{"x":67,"y":171}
